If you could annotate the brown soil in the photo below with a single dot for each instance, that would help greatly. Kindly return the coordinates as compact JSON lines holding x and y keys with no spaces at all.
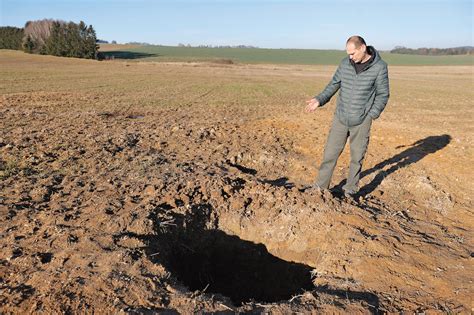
{"x":161,"y":199}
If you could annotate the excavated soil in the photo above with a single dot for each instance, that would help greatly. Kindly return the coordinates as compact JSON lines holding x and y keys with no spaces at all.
{"x":109,"y":204}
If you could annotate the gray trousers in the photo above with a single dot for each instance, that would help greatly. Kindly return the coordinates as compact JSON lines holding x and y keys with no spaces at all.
{"x":359,"y":140}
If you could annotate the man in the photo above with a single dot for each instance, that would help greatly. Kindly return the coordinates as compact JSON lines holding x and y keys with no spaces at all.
{"x":362,"y":78}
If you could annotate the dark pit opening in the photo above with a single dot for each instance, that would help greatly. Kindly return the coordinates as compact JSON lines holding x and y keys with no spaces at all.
{"x":207,"y":259}
{"x":239,"y":269}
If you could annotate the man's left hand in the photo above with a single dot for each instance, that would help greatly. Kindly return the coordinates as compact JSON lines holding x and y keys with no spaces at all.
{"x":311,"y":106}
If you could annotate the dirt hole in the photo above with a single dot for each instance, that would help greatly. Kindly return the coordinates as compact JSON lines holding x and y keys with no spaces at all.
{"x":239,"y":269}
{"x":211,"y":260}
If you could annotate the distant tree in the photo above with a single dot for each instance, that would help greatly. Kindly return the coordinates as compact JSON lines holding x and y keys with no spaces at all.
{"x":138,"y":43}
{"x":81,"y":36}
{"x":114,"y":42}
{"x":11,"y":37}
{"x":73,"y":42}
{"x":91,"y":43}
{"x":38,"y":32}
{"x":434,"y":51}
{"x":54,"y":43}
{"x":28,"y":45}
{"x":63,"y":39}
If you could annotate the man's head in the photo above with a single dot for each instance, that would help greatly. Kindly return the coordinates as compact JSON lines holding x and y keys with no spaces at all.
{"x":356,"y":48}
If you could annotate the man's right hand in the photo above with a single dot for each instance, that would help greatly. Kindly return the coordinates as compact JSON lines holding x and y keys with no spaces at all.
{"x":311,"y":105}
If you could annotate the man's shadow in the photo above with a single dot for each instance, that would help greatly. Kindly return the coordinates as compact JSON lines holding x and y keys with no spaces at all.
{"x":413,"y":154}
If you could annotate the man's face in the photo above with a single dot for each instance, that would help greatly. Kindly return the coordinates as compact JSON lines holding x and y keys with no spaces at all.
{"x":356,"y":54}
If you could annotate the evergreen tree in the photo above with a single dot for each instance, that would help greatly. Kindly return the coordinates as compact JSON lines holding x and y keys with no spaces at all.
{"x":11,"y":37}
{"x":53,"y":43}
{"x":91,"y":43}
{"x":83,"y":36}
{"x":73,"y":40}
{"x":29,"y":45}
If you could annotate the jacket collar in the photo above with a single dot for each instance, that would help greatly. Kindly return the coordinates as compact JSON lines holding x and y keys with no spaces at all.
{"x":375,"y":57}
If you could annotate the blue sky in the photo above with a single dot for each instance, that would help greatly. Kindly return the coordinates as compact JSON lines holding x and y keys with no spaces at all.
{"x":318,"y":24}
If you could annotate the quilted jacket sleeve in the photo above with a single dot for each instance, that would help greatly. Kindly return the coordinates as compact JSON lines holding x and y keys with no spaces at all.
{"x":331,"y":88}
{"x":382,"y":93}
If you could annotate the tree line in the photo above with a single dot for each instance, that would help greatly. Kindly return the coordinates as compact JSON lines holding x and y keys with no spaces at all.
{"x":52,"y":37}
{"x":467,"y":50}
{"x":216,"y":46}
{"x":11,"y":37}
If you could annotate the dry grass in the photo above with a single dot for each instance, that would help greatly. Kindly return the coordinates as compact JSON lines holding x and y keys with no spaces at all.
{"x":116,"y":47}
